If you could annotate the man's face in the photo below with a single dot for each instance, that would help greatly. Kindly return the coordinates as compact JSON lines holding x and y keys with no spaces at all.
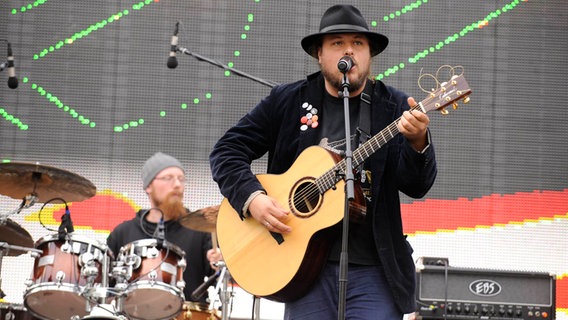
{"x":166,"y":192}
{"x":335,"y":46}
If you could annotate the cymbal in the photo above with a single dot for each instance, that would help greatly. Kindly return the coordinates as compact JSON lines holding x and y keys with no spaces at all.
{"x":204,"y":220}
{"x":13,"y":234}
{"x":17,"y":180}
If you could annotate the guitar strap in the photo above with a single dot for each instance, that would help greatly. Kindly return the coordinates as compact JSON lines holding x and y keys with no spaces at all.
{"x":364,"y":129}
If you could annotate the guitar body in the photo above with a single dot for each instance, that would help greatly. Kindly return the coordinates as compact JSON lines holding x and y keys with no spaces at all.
{"x":283,"y":270}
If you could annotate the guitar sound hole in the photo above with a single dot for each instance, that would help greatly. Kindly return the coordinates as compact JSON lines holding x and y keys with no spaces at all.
{"x":306,"y":198}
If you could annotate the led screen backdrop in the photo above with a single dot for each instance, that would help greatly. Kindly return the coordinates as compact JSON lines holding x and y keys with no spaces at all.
{"x":95,"y":98}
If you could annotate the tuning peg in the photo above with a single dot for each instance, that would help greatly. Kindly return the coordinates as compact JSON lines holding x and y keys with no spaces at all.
{"x":466,"y":100}
{"x":455,"y":105}
{"x":444,"y":112}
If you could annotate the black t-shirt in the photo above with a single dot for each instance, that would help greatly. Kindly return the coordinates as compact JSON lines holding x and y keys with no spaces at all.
{"x":362,"y":249}
{"x":194,"y":243}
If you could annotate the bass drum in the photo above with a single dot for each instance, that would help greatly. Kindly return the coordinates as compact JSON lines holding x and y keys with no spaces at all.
{"x":61,"y":274}
{"x":12,"y":311}
{"x":198,"y":311}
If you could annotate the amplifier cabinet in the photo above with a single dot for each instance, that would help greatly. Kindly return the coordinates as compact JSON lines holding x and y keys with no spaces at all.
{"x":461,"y":293}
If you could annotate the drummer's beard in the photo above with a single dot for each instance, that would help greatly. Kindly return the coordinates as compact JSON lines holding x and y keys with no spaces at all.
{"x":172,"y":207}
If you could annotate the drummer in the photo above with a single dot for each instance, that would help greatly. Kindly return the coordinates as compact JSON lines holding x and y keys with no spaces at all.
{"x":163,"y":179}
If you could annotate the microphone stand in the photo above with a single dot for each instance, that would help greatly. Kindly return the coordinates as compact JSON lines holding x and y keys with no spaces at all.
{"x":226,"y":67}
{"x":349,"y":196}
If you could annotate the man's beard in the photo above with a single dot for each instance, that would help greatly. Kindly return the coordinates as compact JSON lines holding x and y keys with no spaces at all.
{"x":171,"y":207}
{"x":336,"y":82}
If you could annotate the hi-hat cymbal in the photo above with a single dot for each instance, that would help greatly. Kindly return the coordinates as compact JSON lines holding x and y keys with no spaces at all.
{"x":17,"y":180}
{"x":204,"y":220}
{"x":13,"y":234}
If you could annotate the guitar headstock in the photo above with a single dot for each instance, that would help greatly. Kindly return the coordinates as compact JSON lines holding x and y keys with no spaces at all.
{"x":448,"y":93}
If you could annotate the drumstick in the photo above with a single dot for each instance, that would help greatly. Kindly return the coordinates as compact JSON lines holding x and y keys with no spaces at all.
{"x":214,"y":240}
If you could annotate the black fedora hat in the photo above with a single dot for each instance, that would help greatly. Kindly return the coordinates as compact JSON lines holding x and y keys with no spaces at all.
{"x":344,"y":19}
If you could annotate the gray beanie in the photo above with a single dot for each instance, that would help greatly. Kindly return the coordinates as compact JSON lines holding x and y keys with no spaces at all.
{"x":158,"y":162}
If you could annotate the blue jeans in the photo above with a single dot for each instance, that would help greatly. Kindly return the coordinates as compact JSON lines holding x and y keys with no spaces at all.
{"x":367,"y":297}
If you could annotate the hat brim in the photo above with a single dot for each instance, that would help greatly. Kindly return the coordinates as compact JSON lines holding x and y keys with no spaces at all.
{"x":377,"y":41}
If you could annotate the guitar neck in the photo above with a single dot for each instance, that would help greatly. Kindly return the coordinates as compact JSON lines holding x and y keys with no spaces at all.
{"x":446,"y":93}
{"x":364,"y":151}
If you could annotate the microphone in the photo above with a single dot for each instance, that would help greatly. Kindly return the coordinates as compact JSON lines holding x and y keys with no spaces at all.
{"x":172,"y":60}
{"x":66,"y":225}
{"x":198,"y":293}
{"x":12,"y":80}
{"x":161,"y":233}
{"x":345,"y":64}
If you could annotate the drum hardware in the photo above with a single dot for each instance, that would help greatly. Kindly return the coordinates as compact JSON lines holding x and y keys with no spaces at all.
{"x":220,"y":293}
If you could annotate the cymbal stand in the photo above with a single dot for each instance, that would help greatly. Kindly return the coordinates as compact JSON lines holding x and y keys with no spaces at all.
{"x":29,"y":200}
{"x":221,"y":291}
{"x":2,"y":246}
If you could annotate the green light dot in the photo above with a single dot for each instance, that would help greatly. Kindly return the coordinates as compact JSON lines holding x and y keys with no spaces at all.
{"x":92,"y":124}
{"x":140,"y":121}
{"x":184,"y":106}
{"x":162,"y":113}
{"x":133,"y":124}
{"x":25,"y":127}
{"x":195,"y":100}
{"x":125,"y":126}
{"x":117,"y":129}
{"x":14,"y":11}
{"x":373,"y":23}
{"x":66,"y":108}
{"x":208,"y":95}
{"x":227,"y":73}
{"x":230,"y":64}
{"x":237,"y":53}
{"x":247,"y":27}
{"x":250,"y":17}
{"x":386,"y":18}
{"x":243,"y":36}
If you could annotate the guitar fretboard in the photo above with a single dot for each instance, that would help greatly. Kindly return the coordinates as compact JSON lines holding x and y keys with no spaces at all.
{"x":328,"y":180}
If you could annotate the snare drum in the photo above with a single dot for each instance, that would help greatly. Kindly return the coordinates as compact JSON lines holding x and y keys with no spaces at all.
{"x":62,"y":273}
{"x":155,"y":287}
{"x":197,"y":311}
{"x":11,"y":311}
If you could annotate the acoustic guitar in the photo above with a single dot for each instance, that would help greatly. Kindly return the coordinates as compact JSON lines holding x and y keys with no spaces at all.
{"x":283,"y":267}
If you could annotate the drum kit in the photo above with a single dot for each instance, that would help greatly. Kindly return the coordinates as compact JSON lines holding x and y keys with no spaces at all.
{"x":77,"y":278}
